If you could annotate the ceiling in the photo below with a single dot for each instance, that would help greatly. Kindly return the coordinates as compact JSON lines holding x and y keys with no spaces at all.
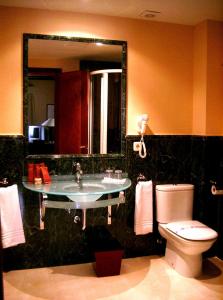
{"x":188,"y":12}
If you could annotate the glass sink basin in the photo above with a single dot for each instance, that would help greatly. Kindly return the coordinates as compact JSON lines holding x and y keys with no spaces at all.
{"x":90,"y":189}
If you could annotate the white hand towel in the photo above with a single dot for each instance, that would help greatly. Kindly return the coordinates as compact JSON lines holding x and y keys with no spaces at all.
{"x":143,"y":208}
{"x":11,"y":220}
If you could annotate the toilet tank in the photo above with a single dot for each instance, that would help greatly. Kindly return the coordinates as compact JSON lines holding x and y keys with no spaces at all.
{"x":174,"y":202}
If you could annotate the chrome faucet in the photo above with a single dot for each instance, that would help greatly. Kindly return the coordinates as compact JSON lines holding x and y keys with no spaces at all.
{"x":78,"y":172}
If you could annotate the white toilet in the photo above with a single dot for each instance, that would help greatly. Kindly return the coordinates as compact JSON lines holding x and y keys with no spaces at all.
{"x":186,"y":239}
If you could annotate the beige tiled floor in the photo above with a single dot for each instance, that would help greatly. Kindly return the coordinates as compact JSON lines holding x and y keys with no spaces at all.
{"x":142,"y":278}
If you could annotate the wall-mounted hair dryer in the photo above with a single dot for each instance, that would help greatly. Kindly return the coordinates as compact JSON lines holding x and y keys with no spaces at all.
{"x":142,"y":124}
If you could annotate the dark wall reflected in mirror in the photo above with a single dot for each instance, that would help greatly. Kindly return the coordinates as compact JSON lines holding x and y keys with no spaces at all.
{"x":74,"y":95}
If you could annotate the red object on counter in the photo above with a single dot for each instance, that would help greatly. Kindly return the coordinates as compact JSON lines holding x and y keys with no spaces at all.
{"x":45,"y":174}
{"x":37,"y":171}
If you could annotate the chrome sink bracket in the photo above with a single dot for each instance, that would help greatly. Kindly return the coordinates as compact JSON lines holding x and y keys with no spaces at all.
{"x":73,"y":206}
{"x":84,"y":218}
{"x":121,"y":196}
{"x":42,"y":210}
{"x":109,"y":218}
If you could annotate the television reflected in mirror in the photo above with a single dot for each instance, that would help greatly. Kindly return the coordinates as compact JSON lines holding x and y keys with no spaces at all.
{"x":74,"y":95}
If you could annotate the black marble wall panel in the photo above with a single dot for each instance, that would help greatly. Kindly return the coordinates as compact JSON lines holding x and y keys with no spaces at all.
{"x":11,"y":167}
{"x":11,"y":157}
{"x":63,"y":164}
{"x":213,"y":205}
{"x":170,"y":159}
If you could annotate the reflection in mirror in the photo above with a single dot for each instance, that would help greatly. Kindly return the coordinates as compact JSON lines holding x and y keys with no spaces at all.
{"x":74,"y":95}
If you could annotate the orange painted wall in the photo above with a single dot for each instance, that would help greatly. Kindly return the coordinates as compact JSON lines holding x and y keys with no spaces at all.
{"x":214,"y":78}
{"x":160,"y":65}
{"x":208,"y":78}
{"x":200,"y":79}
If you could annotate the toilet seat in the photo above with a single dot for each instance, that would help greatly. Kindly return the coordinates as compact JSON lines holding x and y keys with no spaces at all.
{"x":192,"y":230}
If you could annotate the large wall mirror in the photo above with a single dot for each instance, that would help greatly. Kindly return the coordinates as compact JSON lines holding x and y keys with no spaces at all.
{"x":74,"y":95}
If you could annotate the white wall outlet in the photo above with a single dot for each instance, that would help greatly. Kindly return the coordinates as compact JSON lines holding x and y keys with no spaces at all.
{"x":136,"y":146}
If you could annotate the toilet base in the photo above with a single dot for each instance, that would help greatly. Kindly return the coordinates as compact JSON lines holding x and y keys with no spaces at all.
{"x":184,"y":264}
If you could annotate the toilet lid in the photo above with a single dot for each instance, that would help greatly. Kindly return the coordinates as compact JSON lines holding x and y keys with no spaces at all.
{"x":192,"y":230}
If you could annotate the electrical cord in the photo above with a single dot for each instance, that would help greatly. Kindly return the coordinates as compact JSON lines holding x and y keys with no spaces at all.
{"x":142,"y":150}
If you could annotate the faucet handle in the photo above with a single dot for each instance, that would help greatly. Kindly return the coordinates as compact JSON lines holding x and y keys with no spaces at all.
{"x":77,"y":165}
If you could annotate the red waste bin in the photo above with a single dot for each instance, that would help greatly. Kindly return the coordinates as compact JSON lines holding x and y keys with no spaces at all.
{"x":108,"y":262}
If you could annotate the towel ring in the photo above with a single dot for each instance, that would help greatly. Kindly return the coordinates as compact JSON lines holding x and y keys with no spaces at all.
{"x":141,"y":177}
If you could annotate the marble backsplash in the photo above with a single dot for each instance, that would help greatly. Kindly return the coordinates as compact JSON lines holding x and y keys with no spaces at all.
{"x":170,"y":159}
